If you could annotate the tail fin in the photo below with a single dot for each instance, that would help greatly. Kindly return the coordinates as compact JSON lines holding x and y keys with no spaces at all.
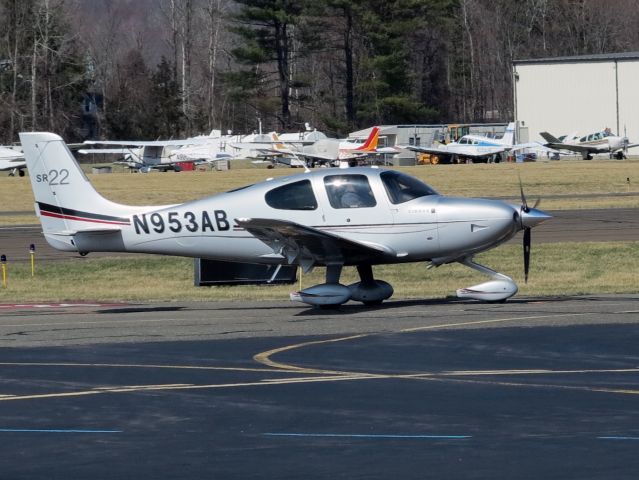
{"x":370,"y":144}
{"x":278,"y":145}
{"x":549,"y":138}
{"x":66,"y":202}
{"x":509,"y":135}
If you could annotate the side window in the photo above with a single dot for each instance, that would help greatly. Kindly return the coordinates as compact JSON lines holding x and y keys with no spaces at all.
{"x":294,"y":196}
{"x":349,"y":191}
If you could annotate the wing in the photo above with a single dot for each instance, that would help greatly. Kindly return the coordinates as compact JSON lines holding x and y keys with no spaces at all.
{"x":120,"y":151}
{"x":149,"y":143}
{"x":575,"y":148}
{"x":316,"y":156}
{"x":12,"y":164}
{"x":10,"y":154}
{"x":308,"y":246}
{"x":462,"y":152}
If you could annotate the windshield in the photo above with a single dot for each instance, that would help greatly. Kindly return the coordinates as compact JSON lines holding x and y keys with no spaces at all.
{"x":403,"y":188}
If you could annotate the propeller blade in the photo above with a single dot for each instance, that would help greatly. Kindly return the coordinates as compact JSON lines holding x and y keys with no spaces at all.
{"x":537,"y":202}
{"x":524,"y":204}
{"x":527,"y":241}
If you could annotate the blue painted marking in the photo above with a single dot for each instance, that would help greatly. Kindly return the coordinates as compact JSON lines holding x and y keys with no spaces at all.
{"x":54,"y":430}
{"x":617,"y":438}
{"x":355,"y":435}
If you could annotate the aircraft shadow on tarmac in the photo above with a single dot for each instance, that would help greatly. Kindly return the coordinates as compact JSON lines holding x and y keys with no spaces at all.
{"x":142,"y":309}
{"x":351,"y":308}
{"x":451,"y":300}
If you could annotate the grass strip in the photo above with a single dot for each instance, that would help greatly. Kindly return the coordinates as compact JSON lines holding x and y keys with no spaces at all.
{"x":557,"y":269}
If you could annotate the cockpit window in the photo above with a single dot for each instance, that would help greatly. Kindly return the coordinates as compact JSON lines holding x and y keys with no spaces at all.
{"x":294,"y":196}
{"x":349,"y":191}
{"x":403,"y":188}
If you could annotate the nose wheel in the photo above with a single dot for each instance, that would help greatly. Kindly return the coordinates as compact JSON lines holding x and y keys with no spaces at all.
{"x":498,"y":289}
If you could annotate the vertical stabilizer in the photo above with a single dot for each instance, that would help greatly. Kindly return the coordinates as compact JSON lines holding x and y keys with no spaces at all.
{"x":278,"y":145}
{"x":370,"y":145}
{"x":509,"y":135}
{"x":66,"y":202}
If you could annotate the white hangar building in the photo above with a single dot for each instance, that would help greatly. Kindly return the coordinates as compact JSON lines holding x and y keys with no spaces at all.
{"x":582,"y":95}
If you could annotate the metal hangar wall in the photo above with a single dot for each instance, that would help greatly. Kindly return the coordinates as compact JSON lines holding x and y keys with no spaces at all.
{"x":581,"y":94}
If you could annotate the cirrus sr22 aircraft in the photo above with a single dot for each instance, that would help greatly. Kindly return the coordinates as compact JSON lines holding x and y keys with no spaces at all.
{"x":334,"y":218}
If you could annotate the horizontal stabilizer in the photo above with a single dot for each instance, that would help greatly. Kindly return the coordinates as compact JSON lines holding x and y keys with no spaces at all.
{"x":97,"y":231}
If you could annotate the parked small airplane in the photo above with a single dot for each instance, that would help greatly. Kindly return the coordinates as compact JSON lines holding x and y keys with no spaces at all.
{"x":593,"y":143}
{"x":470,"y":147}
{"x":13,"y":160}
{"x":334,"y":151}
{"x":307,"y":219}
{"x":162,"y":155}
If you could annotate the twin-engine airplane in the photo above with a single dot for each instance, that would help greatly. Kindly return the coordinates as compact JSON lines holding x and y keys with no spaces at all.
{"x":593,"y":143}
{"x":334,"y":218}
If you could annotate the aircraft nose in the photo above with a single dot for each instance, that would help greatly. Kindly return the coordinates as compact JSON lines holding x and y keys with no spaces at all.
{"x":533,"y":217}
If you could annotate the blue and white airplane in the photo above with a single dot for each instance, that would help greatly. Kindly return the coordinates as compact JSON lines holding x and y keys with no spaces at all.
{"x":472,"y":148}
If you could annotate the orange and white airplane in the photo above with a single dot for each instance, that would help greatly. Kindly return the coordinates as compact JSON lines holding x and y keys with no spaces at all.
{"x":332,"y":151}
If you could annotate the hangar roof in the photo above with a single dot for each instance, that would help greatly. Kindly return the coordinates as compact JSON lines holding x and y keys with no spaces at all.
{"x":601,"y":57}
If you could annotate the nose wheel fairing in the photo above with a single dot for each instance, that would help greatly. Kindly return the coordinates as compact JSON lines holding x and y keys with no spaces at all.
{"x":498,"y":289}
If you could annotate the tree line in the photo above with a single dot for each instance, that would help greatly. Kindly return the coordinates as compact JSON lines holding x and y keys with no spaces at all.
{"x":148,"y":69}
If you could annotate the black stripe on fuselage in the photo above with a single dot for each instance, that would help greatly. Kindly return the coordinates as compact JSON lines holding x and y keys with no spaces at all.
{"x":69,"y":212}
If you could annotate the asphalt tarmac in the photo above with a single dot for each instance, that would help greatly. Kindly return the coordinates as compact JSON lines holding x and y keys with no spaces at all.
{"x":601,"y":225}
{"x":532,"y":388}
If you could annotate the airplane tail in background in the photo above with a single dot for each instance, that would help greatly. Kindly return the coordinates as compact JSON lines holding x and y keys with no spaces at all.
{"x":278,"y":145}
{"x":549,"y":138}
{"x":509,"y":135}
{"x":66,"y":202}
{"x":370,"y":145}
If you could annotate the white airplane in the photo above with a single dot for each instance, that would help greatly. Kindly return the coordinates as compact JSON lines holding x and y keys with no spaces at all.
{"x":162,"y":155}
{"x":13,"y":160}
{"x":593,"y":143}
{"x":470,"y":147}
{"x":299,"y":220}
{"x":269,"y":148}
{"x":205,"y":153}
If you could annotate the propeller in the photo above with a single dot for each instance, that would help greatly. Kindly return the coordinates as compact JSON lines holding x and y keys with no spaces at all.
{"x":527,"y":230}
